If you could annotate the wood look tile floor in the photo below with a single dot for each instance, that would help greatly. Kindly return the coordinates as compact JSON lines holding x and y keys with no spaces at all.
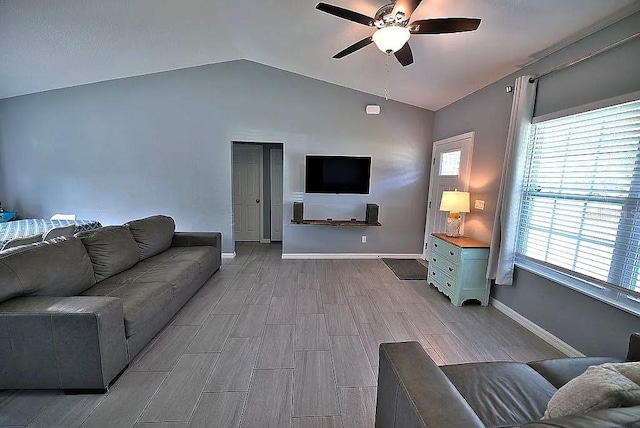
{"x":269,"y":342}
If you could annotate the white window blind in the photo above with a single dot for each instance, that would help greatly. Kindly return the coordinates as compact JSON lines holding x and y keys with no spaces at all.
{"x":580,"y":209}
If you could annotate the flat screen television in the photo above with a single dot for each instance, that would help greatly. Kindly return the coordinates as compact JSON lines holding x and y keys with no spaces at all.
{"x":338,"y":174}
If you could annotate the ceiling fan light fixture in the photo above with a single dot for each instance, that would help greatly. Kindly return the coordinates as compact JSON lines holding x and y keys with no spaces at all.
{"x":391,"y":39}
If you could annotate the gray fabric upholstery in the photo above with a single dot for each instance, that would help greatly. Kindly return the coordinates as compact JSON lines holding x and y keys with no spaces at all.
{"x":501,"y":393}
{"x":607,"y":418}
{"x":147,"y":332}
{"x":61,"y":342}
{"x":141,"y":301}
{"x":83,"y":342}
{"x":199,"y":254}
{"x":143,"y":271}
{"x":192,"y":239}
{"x":184,"y":294}
{"x":178,"y":274}
{"x":559,"y":371}
{"x":410,"y":382}
{"x":61,"y":268}
{"x":152,"y":234}
{"x":112,"y":249}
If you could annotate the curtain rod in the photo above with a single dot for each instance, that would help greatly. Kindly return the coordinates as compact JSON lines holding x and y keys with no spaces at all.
{"x":586,"y":57}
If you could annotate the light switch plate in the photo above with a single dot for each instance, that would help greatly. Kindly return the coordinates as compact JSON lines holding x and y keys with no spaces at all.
{"x":479,"y":204}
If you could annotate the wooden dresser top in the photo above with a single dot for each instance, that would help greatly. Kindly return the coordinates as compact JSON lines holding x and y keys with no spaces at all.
{"x":462,"y":241}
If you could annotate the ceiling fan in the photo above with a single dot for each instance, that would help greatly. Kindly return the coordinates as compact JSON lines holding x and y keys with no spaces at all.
{"x":393,"y":27}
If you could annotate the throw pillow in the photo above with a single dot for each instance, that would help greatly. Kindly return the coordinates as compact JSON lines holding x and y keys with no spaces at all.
{"x":630,"y":370}
{"x":112,"y":249}
{"x":152,"y":234}
{"x":597,"y":388}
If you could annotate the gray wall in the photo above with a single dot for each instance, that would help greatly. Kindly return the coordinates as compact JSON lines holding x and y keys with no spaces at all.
{"x":161,"y":143}
{"x":588,"y":325}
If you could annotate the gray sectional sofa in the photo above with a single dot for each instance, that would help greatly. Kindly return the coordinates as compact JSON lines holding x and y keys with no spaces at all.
{"x":414,"y":392}
{"x":74,"y":312}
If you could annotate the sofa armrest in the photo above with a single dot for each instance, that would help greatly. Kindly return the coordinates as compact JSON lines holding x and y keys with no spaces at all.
{"x":559,"y":371}
{"x":197,"y":239}
{"x":61,"y":342}
{"x":414,"y":392}
{"x":634,"y":348}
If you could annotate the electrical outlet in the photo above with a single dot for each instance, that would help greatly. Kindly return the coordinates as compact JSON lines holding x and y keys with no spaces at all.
{"x":479,"y":204}
{"x":364,"y":239}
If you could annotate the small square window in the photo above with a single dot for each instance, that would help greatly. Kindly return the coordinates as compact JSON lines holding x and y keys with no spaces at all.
{"x":450,"y":163}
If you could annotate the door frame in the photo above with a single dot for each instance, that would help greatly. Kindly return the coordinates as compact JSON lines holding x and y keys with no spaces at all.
{"x":271,"y":187}
{"x":261,"y":184}
{"x":468,"y":135}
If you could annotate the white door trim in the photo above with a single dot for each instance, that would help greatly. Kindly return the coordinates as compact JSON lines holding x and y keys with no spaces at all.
{"x":260,"y":204}
{"x":281,"y":190}
{"x":466,"y":136}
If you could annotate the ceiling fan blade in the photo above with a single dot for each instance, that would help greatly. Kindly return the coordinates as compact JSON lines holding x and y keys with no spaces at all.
{"x":404,"y":55}
{"x":345,"y":14}
{"x":443,"y":25}
{"x":406,"y":6}
{"x":354,"y":47}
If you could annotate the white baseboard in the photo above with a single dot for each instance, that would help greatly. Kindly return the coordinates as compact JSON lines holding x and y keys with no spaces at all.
{"x":359,"y":256}
{"x":265,"y":241}
{"x":229,"y":255}
{"x":534,"y":328}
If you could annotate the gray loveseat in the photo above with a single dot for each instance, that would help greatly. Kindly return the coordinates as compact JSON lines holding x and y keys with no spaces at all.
{"x":414,"y":392}
{"x":74,"y":312}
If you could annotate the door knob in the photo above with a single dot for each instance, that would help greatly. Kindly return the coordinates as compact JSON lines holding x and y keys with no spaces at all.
{"x":257,"y":201}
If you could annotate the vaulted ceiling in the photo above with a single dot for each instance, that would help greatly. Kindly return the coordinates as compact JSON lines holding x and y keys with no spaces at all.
{"x":48,"y":45}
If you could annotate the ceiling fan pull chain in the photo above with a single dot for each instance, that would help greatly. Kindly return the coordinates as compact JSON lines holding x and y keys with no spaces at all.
{"x":386,"y":83}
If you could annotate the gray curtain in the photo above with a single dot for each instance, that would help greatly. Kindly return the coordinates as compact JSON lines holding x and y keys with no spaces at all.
{"x":505,"y":225}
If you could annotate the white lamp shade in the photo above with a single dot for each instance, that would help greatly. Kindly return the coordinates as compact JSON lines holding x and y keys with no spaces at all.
{"x":454,"y":201}
{"x":391,"y":39}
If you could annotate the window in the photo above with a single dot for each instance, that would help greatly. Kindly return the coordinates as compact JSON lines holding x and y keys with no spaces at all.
{"x":580,"y":212}
{"x":450,"y":163}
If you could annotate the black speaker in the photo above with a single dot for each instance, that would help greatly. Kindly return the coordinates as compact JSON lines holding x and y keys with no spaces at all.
{"x":298,"y":211}
{"x":371,"y":216}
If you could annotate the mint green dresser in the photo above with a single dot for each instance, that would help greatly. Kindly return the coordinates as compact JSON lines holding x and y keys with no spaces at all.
{"x":457,"y":267}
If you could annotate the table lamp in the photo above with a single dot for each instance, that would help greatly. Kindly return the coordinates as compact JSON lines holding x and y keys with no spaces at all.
{"x":455,"y":202}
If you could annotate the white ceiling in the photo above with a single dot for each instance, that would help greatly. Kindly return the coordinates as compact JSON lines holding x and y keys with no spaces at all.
{"x":47,"y":45}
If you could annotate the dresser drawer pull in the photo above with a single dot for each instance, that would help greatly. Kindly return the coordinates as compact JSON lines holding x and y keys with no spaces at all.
{"x":435,"y":245}
{"x":433,"y":273}
{"x":450,"y":269}
{"x":449,"y":285}
{"x":451,"y":253}
{"x":434,"y":260}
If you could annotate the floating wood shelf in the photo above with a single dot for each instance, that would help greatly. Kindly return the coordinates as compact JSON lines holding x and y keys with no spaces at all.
{"x":356,"y":223}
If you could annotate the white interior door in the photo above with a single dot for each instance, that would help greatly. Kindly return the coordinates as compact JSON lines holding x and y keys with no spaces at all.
{"x":276,"y":194}
{"x":450,"y":169}
{"x":247,"y":182}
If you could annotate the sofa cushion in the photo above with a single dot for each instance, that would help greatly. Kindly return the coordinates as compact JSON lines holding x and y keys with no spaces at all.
{"x":502,"y":393}
{"x":597,"y":388}
{"x":205,"y":257}
{"x":152,"y":234}
{"x":10,"y":283}
{"x":60,"y":268}
{"x":559,"y":371}
{"x":178,"y":274}
{"x":112,"y":249}
{"x":140,"y":301}
{"x":606,"y":418}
